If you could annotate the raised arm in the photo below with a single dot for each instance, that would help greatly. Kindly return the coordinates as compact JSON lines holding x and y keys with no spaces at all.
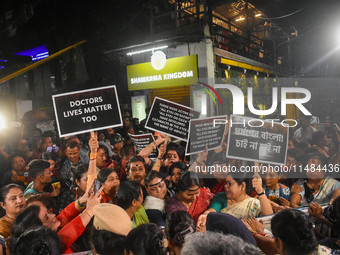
{"x":266,"y":208}
{"x":152,"y":146}
{"x":92,"y":173}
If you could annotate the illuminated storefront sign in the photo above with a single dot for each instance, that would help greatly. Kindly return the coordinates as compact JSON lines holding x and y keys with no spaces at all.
{"x":156,"y":74}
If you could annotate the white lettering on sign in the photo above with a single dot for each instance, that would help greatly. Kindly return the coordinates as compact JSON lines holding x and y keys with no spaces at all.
{"x":146,"y":79}
{"x":167,"y":76}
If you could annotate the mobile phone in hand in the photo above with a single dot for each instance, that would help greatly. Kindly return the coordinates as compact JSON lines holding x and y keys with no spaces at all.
{"x":97,"y":186}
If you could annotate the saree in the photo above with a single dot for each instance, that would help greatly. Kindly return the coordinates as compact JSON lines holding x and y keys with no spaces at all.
{"x":249,"y":207}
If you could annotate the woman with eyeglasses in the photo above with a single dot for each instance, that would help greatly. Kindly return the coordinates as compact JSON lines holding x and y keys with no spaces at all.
{"x":191,"y":197}
{"x":317,"y":188}
{"x":155,"y":201}
{"x":236,"y":202}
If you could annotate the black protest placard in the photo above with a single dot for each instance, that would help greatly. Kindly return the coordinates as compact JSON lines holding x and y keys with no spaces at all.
{"x":141,"y":141}
{"x":170,"y":118}
{"x":206,"y":133}
{"x":82,"y":111}
{"x":257,"y":140}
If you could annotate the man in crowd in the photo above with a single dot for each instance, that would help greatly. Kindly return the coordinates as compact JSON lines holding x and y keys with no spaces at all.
{"x":39,"y":170}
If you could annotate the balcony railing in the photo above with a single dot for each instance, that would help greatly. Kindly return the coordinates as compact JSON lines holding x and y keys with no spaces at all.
{"x":226,"y":35}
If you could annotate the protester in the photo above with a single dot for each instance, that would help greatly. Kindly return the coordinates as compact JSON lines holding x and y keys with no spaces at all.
{"x":116,"y":141}
{"x":72,"y":152}
{"x":146,"y":239}
{"x":305,"y":132}
{"x":293,"y":232}
{"x":111,"y":225}
{"x":191,"y":197}
{"x":18,"y":173}
{"x":155,"y":202}
{"x":178,"y":225}
{"x":109,"y":179}
{"x":176,"y":170}
{"x":39,"y":170}
{"x":77,"y":189}
{"x":39,"y":240}
{"x":276,"y":192}
{"x":13,"y":201}
{"x":71,"y":221}
{"x":130,"y":197}
{"x":236,"y":202}
{"x":317,"y":188}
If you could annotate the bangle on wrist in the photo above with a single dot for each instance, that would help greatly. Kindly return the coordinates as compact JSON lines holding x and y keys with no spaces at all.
{"x":88,"y":214}
{"x":260,"y":194}
{"x":93,"y":155}
{"x":159,"y":158}
{"x":153,"y":146}
{"x":93,"y":158}
{"x":80,"y":205}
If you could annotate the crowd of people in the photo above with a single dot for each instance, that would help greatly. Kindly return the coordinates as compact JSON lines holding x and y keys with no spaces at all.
{"x":96,"y":194}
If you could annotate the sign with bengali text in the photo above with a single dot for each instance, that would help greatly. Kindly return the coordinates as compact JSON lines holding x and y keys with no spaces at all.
{"x":257,"y":140}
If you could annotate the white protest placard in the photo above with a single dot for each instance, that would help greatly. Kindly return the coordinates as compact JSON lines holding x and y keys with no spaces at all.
{"x":170,"y":118}
{"x":85,"y":110}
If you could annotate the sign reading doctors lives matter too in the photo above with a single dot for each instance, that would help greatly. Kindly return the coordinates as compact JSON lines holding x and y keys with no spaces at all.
{"x":205,"y":133}
{"x":82,"y":111}
{"x":257,"y":140}
{"x":170,"y":118}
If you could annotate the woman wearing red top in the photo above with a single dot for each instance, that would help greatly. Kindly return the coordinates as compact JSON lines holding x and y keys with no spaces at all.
{"x":109,"y":179}
{"x":71,"y":222}
{"x":191,"y":197}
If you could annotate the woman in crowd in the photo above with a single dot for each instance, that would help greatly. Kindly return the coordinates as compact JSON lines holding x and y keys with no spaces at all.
{"x":78,"y":189}
{"x":146,"y":239}
{"x":320,"y":141}
{"x":18,"y":173}
{"x":136,"y":171}
{"x":293,"y":232}
{"x":176,"y":170}
{"x":71,"y":222}
{"x":21,"y":148}
{"x":13,"y":201}
{"x":130,"y":197}
{"x":277,"y":193}
{"x":317,"y":187}
{"x":108,"y":237}
{"x":39,"y":240}
{"x":178,"y":225}
{"x":155,"y":201}
{"x":109,"y":179}
{"x":236,"y":202}
{"x":191,"y":197}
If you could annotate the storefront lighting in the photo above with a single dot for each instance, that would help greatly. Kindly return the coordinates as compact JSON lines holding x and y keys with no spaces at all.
{"x":241,"y":18}
{"x":2,"y":123}
{"x":147,"y":50}
{"x":258,"y":15}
